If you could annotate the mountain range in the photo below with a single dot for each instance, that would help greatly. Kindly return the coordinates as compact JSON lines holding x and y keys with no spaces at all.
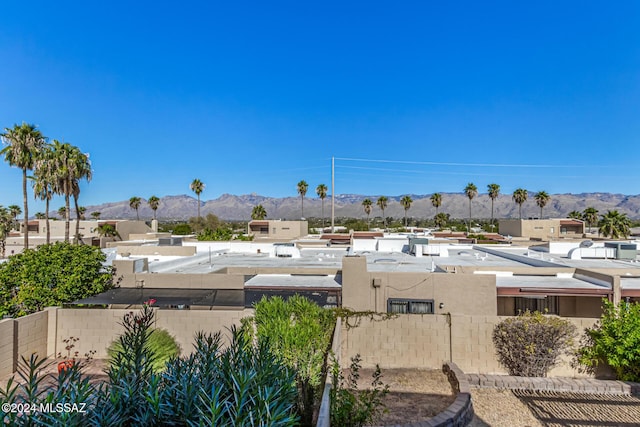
{"x":232,"y":207}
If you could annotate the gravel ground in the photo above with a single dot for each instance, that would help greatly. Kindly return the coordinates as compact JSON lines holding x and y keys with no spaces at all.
{"x":500,"y":408}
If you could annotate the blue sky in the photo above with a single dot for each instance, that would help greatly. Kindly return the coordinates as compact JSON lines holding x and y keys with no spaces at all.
{"x":251,"y":97}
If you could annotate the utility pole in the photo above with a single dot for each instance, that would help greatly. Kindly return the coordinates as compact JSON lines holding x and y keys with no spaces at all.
{"x":333,"y":193}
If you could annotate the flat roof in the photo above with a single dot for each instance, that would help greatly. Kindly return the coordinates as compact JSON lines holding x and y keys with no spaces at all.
{"x":546,"y":282}
{"x":295,"y":281}
{"x":168,"y":297}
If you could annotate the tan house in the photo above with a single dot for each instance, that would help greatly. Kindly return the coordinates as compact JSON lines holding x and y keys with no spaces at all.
{"x":543,"y":229}
{"x":277,"y":229}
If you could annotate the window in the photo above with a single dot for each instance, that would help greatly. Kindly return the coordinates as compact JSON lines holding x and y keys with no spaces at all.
{"x":411,"y":306}
{"x":546,"y":305}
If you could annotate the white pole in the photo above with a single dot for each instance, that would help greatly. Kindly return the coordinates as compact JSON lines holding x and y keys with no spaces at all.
{"x":333,"y":193}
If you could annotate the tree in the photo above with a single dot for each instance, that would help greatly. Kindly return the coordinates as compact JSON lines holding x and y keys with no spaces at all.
{"x":51,"y":275}
{"x":542,"y":198}
{"x":441,"y":219}
{"x":15,"y":210}
{"x":366,"y":205}
{"x":82,"y":210}
{"x":321,"y":191}
{"x":258,"y":212}
{"x":154,"y":202}
{"x":436,"y":201}
{"x":302,"y":190}
{"x":80,"y":169}
{"x":108,"y":230}
{"x":134,"y":203}
{"x":406,"y":204}
{"x":575,"y":215}
{"x":197,"y":187}
{"x":62,"y":212}
{"x":614,"y":341}
{"x":471,"y":191}
{"x":39,"y":215}
{"x":23,"y":143}
{"x":614,"y":224}
{"x":96,"y":215}
{"x":493,"y":190}
{"x":520,"y":196}
{"x":590,"y":215}
{"x":6,"y":220}
{"x":382,"y":204}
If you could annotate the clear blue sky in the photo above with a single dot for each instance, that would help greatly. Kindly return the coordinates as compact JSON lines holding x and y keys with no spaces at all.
{"x":255,"y":96}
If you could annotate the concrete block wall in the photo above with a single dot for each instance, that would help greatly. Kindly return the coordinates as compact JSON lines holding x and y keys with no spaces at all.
{"x":32,"y":334}
{"x":425,"y":341}
{"x":8,"y":349}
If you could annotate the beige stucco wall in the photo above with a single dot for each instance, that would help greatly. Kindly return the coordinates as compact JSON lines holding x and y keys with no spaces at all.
{"x":285,"y":230}
{"x":545,"y":229}
{"x":425,"y":341}
{"x":7,"y":346}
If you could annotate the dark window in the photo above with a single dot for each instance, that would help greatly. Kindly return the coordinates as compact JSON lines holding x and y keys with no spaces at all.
{"x":411,"y":306}
{"x":546,"y":305}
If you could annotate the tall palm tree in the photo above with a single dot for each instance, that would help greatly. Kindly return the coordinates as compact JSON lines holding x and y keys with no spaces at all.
{"x":493,"y":190}
{"x":44,"y":182}
{"x":62,"y":212}
{"x":590,"y":215}
{"x":406,"y":204}
{"x":82,"y":211}
{"x":154,"y":202}
{"x":96,"y":215}
{"x":436,"y":201}
{"x":471,"y":191}
{"x":5,"y":227}
{"x":321,"y":191}
{"x":15,"y":210}
{"x":441,"y":220}
{"x":39,"y":215}
{"x":23,"y":142}
{"x":614,"y":224}
{"x":520,"y":196}
{"x":80,"y":169}
{"x":197,"y":187}
{"x":382,"y":204}
{"x":366,"y":205}
{"x":542,"y":198}
{"x":574,"y":215}
{"x":258,"y":212}
{"x":302,"y":190}
{"x":134,"y":203}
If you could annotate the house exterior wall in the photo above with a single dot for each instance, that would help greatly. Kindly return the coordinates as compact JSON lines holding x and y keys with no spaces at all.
{"x":285,"y":230}
{"x":545,"y":229}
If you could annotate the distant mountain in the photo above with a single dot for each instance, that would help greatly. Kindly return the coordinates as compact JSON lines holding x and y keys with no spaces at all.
{"x":232,"y":207}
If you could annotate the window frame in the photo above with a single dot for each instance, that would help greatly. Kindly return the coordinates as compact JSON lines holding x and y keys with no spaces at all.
{"x":409,"y":302}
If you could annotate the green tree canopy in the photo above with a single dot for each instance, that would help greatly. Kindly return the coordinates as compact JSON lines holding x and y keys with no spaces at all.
{"x":520,"y":196}
{"x":436,"y":201}
{"x":51,"y":275}
{"x":615,"y":225}
{"x":258,"y":212}
{"x":382,"y":204}
{"x":542,"y":198}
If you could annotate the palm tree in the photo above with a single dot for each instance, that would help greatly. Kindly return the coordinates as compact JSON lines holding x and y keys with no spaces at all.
{"x":15,"y":210}
{"x":574,"y":215}
{"x":258,"y":212}
{"x":134,"y":203}
{"x":80,"y":169}
{"x":44,"y":181}
{"x":302,"y":190}
{"x":441,"y":220}
{"x":520,"y":196}
{"x":382,"y":204}
{"x":471,"y":191}
{"x":494,"y":191}
{"x":82,"y":211}
{"x":108,"y":230}
{"x":23,"y":142}
{"x":5,"y":227}
{"x":366,"y":205}
{"x":614,"y":224}
{"x":154,"y":202}
{"x":39,"y":215}
{"x":590,"y":215}
{"x":542,"y":198}
{"x":197,"y":187}
{"x":96,"y":215}
{"x":321,"y":191}
{"x":406,"y":204}
{"x":436,"y":201}
{"x":62,"y":212}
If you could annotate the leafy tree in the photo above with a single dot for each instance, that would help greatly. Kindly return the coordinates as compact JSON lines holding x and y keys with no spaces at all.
{"x":471,"y":191}
{"x":590,"y":215}
{"x":154,"y":202}
{"x":321,"y":191}
{"x":23,"y":142}
{"x":615,"y":225}
{"x":217,"y":234}
{"x":614,"y":341}
{"x":210,"y":221}
{"x":520,"y":196}
{"x":298,"y":332}
{"x":51,"y":275}
{"x":302,"y":190}
{"x":575,"y":215}
{"x":441,"y":220}
{"x":382,"y":204}
{"x":182,"y":229}
{"x":530,"y":344}
{"x":406,"y":204}
{"x":436,"y":201}
{"x":134,"y":203}
{"x":542,"y":198}
{"x":159,"y":342}
{"x":366,"y":205}
{"x":493,"y":190}
{"x":258,"y":212}
{"x":197,"y":187}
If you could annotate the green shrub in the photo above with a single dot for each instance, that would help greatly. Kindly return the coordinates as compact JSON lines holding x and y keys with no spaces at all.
{"x":182,"y":229}
{"x":614,"y":341}
{"x":160,"y":343}
{"x":530,"y":345}
{"x":351,"y":407}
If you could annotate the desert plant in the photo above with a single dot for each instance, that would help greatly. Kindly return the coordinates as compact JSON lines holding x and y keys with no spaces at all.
{"x":614,"y":341}
{"x":351,"y":407}
{"x":530,"y":344}
{"x":159,"y":342}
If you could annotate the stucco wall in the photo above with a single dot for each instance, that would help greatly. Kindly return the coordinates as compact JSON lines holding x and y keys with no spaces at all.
{"x":7,"y":348}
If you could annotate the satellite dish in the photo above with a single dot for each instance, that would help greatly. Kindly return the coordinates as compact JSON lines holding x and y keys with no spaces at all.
{"x":586,"y":244}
